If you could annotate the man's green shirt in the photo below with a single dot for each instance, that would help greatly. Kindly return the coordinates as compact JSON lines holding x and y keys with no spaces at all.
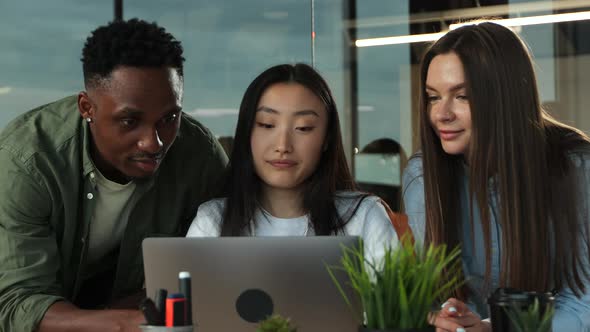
{"x":47,"y":186}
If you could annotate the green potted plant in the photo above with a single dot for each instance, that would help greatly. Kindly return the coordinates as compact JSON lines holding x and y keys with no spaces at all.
{"x":534,"y":318}
{"x":276,"y":323}
{"x":398,"y":293}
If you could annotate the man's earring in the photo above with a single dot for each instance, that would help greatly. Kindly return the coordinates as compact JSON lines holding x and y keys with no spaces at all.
{"x":88,"y":120}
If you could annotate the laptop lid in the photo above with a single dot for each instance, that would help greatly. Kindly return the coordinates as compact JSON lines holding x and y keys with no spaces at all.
{"x":236,"y":280}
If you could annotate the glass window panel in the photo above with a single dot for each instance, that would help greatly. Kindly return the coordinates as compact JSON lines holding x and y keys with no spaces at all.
{"x":42,"y":46}
{"x":227,"y":44}
{"x":384,"y":99}
{"x":330,"y":46}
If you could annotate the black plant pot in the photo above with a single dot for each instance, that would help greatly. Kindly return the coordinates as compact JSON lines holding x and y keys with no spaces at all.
{"x":504,"y":299}
{"x":422,"y":329}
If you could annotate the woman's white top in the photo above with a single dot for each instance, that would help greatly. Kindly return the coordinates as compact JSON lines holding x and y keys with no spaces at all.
{"x":370,"y":221}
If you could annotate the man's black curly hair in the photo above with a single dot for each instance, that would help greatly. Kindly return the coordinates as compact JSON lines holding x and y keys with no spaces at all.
{"x":134,"y":43}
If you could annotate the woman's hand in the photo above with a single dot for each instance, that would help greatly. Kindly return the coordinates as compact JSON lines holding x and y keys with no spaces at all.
{"x":455,"y":316}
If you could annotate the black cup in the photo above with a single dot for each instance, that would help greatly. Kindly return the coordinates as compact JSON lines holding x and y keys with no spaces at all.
{"x":504,"y":299}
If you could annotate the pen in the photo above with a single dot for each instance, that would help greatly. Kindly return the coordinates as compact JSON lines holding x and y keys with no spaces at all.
{"x":160,"y":300}
{"x":184,"y":286}
{"x":151,"y":314}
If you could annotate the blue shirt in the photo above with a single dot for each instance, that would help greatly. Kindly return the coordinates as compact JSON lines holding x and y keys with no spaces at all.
{"x":571,"y":313}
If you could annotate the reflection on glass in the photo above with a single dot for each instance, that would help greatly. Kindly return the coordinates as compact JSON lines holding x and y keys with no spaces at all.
{"x":227,"y":43}
{"x":42,"y":45}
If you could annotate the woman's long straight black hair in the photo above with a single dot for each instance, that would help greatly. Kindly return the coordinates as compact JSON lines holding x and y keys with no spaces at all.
{"x":243,"y":188}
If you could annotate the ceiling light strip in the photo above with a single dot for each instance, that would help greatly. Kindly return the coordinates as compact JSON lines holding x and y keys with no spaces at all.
{"x":398,"y":39}
{"x":510,"y":22}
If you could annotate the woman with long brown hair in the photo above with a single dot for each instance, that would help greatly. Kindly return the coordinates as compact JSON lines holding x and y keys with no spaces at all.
{"x":499,"y":177}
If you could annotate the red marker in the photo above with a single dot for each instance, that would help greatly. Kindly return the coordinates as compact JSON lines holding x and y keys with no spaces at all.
{"x":175,"y":310}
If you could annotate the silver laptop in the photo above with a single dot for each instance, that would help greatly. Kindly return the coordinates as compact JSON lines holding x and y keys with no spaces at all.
{"x":236,"y":281}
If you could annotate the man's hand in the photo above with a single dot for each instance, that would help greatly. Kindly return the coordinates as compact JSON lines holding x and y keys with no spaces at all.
{"x":455,"y":316}
{"x":65,"y":317}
